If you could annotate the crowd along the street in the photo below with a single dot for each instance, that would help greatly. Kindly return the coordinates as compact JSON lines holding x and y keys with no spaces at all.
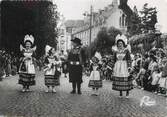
{"x":124,"y":69}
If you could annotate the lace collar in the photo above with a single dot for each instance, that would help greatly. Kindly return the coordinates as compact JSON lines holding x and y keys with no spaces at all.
{"x":121,"y":50}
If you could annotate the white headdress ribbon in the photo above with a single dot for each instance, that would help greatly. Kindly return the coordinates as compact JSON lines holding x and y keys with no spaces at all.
{"x":47,"y":48}
{"x":122,"y":37}
{"x":98,"y":55}
{"x":29,"y":38}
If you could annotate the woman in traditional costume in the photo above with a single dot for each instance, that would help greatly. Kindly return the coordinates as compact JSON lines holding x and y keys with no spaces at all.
{"x":52,"y":69}
{"x":27,"y":68}
{"x":121,"y":64}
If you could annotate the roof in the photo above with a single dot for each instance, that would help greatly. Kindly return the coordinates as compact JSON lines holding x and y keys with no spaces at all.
{"x":101,"y":16}
{"x":126,"y":9}
{"x":123,"y":6}
{"x":74,"y":23}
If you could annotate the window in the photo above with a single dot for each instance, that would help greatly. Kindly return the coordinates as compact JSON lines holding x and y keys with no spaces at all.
{"x":123,"y":20}
{"x":120,"y":21}
{"x":126,"y":21}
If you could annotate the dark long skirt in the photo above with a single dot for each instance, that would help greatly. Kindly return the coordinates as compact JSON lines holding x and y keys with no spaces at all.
{"x":75,"y":73}
{"x":95,"y":83}
{"x":51,"y":80}
{"x":122,"y":84}
{"x":26,"y":79}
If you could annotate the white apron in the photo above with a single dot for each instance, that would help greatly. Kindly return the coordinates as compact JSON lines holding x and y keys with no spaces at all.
{"x":120,"y":67}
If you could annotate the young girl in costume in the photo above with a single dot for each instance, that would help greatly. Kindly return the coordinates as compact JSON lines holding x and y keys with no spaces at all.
{"x":95,"y":81}
{"x":156,"y":75}
{"x":163,"y":79}
{"x":52,"y":70}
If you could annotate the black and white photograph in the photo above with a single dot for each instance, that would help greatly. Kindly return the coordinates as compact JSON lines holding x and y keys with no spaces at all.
{"x":83,"y":58}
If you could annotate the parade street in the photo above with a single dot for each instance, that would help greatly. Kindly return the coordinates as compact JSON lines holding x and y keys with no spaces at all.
{"x":37,"y":103}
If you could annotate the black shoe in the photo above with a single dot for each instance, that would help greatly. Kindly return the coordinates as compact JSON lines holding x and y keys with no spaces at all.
{"x":79,"y":92}
{"x":73,"y":92}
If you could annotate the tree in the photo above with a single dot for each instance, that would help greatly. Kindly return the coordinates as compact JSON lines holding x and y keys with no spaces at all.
{"x":148,"y":18}
{"x":104,"y":41}
{"x":112,"y":33}
{"x":50,"y":25}
{"x":135,"y":25}
{"x":38,"y":18}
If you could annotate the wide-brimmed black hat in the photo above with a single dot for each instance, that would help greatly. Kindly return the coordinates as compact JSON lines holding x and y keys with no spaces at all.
{"x":77,"y":41}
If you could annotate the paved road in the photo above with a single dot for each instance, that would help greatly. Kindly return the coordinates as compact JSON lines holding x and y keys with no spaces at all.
{"x":14,"y":103}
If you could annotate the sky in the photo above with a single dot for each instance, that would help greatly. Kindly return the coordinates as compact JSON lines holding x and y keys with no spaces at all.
{"x":74,"y":9}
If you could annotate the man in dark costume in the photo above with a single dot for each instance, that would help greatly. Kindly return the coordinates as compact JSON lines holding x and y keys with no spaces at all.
{"x":76,"y":60}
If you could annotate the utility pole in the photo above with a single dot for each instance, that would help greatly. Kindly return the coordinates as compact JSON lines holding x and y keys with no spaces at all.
{"x":90,"y":37}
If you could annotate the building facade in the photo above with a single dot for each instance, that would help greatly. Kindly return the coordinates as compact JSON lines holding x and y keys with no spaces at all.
{"x":115,"y":15}
{"x":65,"y":29}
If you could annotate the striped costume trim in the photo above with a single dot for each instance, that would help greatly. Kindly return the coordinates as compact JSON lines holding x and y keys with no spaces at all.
{"x":122,"y":84}
{"x":120,"y":79}
{"x":26,"y":79}
{"x":26,"y":75}
{"x":95,"y":83}
{"x":51,"y":80}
